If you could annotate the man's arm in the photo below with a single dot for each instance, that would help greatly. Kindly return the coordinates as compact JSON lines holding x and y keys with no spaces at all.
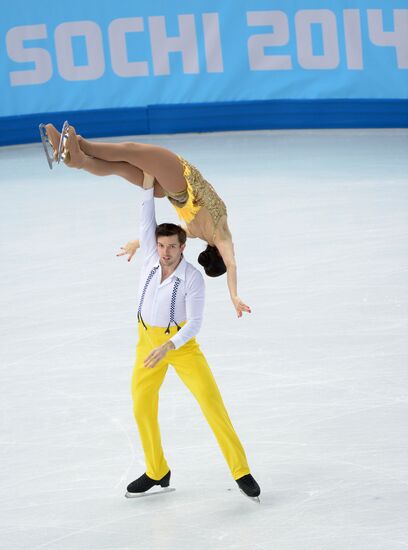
{"x":195,"y":300}
{"x":148,"y":225}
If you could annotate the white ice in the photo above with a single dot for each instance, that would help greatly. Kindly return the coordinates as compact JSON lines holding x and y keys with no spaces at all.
{"x":315,"y":379}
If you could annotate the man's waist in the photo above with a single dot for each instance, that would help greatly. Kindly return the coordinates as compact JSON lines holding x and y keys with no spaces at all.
{"x":155,"y":335}
{"x":173,"y":329}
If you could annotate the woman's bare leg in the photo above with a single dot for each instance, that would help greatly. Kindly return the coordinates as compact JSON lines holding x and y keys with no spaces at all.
{"x":158,"y":161}
{"x":127,"y":171}
{"x":77,"y":159}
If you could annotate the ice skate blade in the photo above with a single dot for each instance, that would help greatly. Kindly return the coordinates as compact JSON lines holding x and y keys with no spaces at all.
{"x":149,"y":493}
{"x":48,"y":149}
{"x":254,"y":499}
{"x":63,"y":140}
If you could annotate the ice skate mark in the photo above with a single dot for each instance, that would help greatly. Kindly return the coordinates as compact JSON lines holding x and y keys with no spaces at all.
{"x":93,"y":527}
{"x":253,"y":499}
{"x":63,"y":345}
{"x":125,"y":475}
{"x":150,"y":493}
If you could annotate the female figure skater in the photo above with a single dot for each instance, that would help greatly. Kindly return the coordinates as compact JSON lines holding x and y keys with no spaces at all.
{"x":195,"y":200}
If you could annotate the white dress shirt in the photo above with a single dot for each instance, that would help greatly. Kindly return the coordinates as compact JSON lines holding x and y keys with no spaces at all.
{"x":190,"y":297}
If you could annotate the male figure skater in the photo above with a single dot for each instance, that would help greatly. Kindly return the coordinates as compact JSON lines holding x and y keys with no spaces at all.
{"x":171,"y":302}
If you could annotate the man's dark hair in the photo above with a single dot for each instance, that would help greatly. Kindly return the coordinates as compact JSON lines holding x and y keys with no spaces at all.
{"x":212,"y":262}
{"x":170,"y":229}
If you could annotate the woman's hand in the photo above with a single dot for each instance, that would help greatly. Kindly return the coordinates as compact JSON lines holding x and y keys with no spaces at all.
{"x":129,"y":249}
{"x":240,"y":307}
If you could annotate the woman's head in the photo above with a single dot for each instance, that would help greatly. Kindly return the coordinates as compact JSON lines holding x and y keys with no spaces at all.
{"x":212,"y":262}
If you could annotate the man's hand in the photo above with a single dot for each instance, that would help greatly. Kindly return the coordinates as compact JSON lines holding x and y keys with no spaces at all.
{"x":157,"y":354}
{"x":240,"y":307}
{"x":130,"y":249}
{"x":148,"y":181}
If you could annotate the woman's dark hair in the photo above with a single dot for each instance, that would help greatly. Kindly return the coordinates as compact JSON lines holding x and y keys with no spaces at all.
{"x":212,"y":262}
{"x":170,"y":229}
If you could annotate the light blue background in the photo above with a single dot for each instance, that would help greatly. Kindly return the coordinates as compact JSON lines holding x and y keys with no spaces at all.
{"x":379,"y":79}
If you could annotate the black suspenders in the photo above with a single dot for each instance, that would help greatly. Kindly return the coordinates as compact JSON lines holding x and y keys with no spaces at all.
{"x":172,"y":306}
{"x":139,"y":310}
{"x":172,"y":302}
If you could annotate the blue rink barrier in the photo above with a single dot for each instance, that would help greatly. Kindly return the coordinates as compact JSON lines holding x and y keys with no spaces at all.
{"x":210,"y":117}
{"x":123,"y":68}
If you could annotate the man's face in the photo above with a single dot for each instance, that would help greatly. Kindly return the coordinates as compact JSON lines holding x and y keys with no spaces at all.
{"x":170,"y":250}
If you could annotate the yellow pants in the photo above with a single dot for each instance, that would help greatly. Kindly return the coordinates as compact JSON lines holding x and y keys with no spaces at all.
{"x":192,"y":367}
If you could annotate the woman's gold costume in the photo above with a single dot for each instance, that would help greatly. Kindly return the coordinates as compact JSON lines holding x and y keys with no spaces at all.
{"x":199,"y":194}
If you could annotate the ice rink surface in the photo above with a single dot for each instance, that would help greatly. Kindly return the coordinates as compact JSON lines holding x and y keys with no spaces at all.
{"x":315,"y":379}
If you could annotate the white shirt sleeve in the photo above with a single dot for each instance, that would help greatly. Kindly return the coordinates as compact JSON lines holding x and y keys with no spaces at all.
{"x":148,"y":225}
{"x":195,"y":299}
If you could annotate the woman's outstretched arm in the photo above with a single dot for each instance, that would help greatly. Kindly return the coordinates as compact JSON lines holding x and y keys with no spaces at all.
{"x":226,"y":249}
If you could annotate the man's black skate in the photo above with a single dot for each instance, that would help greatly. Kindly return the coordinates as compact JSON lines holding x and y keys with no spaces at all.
{"x":249,"y":487}
{"x":142,"y":484}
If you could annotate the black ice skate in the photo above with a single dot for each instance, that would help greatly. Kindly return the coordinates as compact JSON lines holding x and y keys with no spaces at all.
{"x":249,"y":487}
{"x":142,"y":484}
